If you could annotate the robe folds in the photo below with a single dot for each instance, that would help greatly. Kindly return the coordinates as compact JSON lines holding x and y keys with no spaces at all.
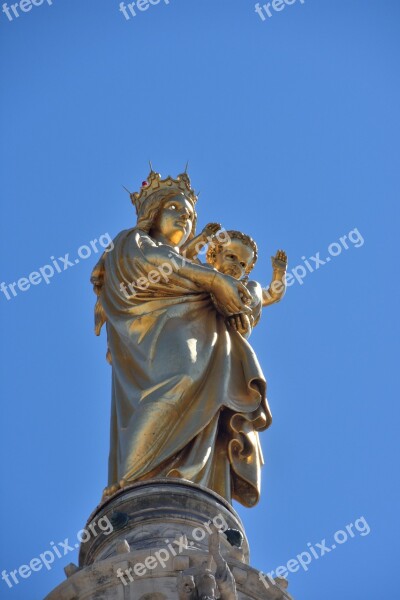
{"x":188,"y":393}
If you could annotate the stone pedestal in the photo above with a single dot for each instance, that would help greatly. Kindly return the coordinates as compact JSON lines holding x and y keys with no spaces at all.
{"x":147,"y":540}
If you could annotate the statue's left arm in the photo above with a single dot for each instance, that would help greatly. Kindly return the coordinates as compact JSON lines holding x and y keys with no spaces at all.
{"x":223,"y":575}
{"x":277,"y":288}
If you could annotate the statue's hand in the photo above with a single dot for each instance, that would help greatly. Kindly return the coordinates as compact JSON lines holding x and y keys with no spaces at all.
{"x":279,"y":261}
{"x":240,"y":322}
{"x":211,"y":229}
{"x":231,"y":296}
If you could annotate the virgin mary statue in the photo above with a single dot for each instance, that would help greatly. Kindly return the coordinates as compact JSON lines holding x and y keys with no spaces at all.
{"x":188,"y":393}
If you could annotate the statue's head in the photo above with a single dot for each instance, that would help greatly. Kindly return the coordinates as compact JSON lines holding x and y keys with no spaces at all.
{"x":206,"y":586}
{"x":197,"y":583}
{"x":186,"y":587}
{"x":166,"y":207}
{"x":236,"y":256}
{"x":168,"y":214}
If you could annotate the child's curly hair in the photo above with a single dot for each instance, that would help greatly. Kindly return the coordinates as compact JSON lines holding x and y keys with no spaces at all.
{"x":216,"y":245}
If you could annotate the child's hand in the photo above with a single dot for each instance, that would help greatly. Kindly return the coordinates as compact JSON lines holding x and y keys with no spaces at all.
{"x":279,"y":261}
{"x":239,"y":322}
{"x":211,"y":229}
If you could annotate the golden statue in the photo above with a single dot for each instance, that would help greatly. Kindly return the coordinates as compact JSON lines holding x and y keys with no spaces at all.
{"x":188,"y":393}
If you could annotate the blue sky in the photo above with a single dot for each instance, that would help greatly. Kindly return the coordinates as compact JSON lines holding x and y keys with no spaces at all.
{"x":291,"y":127}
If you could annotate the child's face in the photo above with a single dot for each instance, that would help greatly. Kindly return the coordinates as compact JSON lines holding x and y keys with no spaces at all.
{"x":234,"y":259}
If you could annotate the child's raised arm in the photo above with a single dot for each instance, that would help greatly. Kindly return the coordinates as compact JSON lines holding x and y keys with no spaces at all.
{"x":277,"y":287}
{"x":192,"y":248}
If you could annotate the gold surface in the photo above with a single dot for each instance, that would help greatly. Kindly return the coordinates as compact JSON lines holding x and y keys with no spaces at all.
{"x":188,"y":393}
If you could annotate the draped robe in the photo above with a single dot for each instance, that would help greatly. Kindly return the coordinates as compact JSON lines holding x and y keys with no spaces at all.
{"x":188,"y":393}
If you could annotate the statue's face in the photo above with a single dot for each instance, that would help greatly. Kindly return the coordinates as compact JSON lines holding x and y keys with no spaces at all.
{"x":188,"y":586}
{"x":234,"y":259}
{"x":207,"y":588}
{"x":174,"y":222}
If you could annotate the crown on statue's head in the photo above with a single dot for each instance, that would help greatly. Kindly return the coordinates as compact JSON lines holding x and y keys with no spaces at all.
{"x":154,"y":183}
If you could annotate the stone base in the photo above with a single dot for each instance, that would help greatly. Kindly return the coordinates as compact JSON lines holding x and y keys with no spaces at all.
{"x":146,"y":539}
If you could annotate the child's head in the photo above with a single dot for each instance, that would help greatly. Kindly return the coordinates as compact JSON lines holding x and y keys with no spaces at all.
{"x":236,"y":256}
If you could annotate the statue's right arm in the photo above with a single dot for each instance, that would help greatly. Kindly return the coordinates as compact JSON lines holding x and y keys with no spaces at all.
{"x":225,"y":288}
{"x":159,"y":255}
{"x":223,"y":575}
{"x":277,"y":288}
